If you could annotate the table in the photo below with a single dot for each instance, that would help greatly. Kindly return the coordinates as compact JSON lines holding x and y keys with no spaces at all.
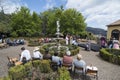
{"x":92,"y":71}
{"x":94,"y":68}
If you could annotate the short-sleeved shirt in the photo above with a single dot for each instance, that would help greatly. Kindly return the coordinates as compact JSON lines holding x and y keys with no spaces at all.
{"x":67,"y":59}
{"x":79,"y":63}
{"x":56,"y":59}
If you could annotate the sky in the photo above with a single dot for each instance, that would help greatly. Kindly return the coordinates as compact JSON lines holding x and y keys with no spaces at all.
{"x":98,"y":13}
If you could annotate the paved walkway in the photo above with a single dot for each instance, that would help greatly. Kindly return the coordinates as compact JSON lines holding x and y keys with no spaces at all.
{"x":107,"y":71}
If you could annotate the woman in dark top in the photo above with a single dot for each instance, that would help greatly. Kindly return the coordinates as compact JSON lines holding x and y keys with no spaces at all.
{"x":47,"y":55}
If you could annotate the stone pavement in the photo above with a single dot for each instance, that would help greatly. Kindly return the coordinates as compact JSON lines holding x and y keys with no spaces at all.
{"x":106,"y":70}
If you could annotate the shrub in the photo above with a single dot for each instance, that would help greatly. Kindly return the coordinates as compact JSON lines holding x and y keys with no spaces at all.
{"x":28,"y":69}
{"x":63,"y":74}
{"x":42,"y":71}
{"x":74,"y":49}
{"x":14,"y":34}
{"x":34,"y":42}
{"x":111,"y":55}
{"x":45,"y":66}
{"x":17,"y":72}
{"x":42,"y":65}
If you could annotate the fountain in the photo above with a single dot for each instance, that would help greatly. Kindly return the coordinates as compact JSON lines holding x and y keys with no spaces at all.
{"x":58,"y":45}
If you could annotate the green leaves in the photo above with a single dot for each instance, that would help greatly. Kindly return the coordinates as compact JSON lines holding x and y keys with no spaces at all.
{"x":25,"y":24}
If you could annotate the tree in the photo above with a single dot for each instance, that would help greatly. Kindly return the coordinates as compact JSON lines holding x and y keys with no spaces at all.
{"x":49,"y":19}
{"x":25,"y":24}
{"x":4,"y":23}
{"x":36,"y":22}
{"x":72,"y":22}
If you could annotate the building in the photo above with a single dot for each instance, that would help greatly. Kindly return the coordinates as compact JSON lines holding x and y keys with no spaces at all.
{"x":114,"y":30}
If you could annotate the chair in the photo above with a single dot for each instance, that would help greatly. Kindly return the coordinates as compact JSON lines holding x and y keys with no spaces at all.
{"x":92,"y":72}
{"x":10,"y":62}
{"x":81,"y":69}
{"x":68,"y":66}
{"x":13,"y":62}
{"x":54,"y":66}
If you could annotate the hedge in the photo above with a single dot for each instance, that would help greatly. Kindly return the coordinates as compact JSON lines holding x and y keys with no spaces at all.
{"x":111,"y":55}
{"x":74,"y":49}
{"x":41,"y":68}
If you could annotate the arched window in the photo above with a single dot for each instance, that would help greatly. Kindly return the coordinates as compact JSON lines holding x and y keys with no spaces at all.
{"x":115,"y":34}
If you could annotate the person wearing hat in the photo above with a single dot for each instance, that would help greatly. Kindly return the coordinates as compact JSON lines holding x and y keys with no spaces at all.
{"x":36,"y":54}
{"x":67,"y":59}
{"x":78,"y":62}
{"x":25,"y":55}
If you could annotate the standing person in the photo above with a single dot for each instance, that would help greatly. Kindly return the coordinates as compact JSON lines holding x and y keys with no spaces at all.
{"x":71,"y":39}
{"x":67,"y":39}
{"x":25,"y":55}
{"x":116,"y":44}
{"x":36,"y":54}
{"x":103,"y":42}
{"x":110,"y":43}
{"x":88,"y":45}
{"x":78,"y":62}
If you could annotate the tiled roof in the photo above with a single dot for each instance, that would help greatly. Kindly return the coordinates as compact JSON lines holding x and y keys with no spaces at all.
{"x":116,"y":23}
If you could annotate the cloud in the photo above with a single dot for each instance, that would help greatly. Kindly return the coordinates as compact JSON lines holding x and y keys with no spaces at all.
{"x":98,"y":13}
{"x":9,"y":6}
{"x":49,"y":4}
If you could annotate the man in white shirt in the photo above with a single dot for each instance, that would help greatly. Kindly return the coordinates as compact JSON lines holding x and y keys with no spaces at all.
{"x":25,"y":55}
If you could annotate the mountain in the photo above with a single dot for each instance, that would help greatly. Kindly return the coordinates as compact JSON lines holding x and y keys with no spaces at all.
{"x":96,"y":31}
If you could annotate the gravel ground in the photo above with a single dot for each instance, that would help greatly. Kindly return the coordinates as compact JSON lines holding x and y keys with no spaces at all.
{"x":12,"y":52}
{"x":106,"y":70}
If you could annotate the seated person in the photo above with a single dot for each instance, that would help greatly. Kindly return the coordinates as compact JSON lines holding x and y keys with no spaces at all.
{"x":36,"y":54}
{"x":78,"y":62}
{"x":56,"y":59}
{"x":47,"y":55}
{"x":25,"y":55}
{"x":67,"y":59}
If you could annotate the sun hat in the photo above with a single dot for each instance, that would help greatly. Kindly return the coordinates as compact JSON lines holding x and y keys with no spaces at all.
{"x":36,"y":48}
{"x":68,"y":53}
{"x":79,"y":57}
